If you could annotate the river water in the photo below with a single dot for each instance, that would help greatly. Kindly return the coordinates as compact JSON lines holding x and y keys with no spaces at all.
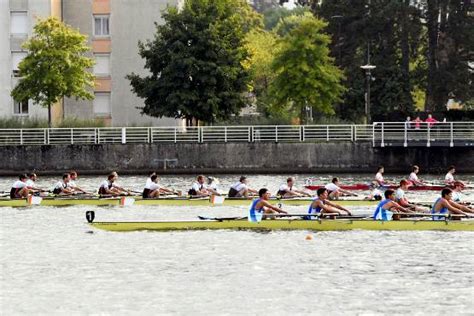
{"x":53,"y":263}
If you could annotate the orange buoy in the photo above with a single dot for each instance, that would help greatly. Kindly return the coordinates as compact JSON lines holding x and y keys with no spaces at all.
{"x":309,"y":237}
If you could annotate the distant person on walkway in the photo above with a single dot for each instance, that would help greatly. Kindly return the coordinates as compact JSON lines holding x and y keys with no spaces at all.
{"x":408,"y":122}
{"x":431,"y":120}
{"x":241,"y":189}
{"x":417,"y":122}
{"x":288,"y":191}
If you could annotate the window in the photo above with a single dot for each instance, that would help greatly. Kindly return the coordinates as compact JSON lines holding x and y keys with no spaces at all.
{"x":101,"y":104}
{"x":17,"y":57}
{"x":18,"y":23}
{"x":101,"y":25}
{"x":102,"y":65}
{"x":20,"y":107}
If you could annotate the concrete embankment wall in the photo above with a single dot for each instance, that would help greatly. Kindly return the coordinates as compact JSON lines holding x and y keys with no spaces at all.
{"x":231,"y":158}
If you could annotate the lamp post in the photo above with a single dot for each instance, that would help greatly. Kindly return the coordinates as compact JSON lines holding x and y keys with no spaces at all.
{"x":368,"y":68}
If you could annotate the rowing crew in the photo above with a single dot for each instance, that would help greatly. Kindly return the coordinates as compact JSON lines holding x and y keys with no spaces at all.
{"x":413,"y":179}
{"x":261,"y":207}
{"x":25,"y":185}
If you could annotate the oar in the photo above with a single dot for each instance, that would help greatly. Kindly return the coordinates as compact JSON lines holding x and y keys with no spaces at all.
{"x":284,"y":215}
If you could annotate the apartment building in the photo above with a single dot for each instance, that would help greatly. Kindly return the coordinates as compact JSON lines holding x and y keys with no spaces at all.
{"x":113,"y":27}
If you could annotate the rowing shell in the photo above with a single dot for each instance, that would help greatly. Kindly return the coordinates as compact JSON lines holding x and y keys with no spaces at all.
{"x":283,"y":224}
{"x":169,"y":202}
{"x":367,"y":187}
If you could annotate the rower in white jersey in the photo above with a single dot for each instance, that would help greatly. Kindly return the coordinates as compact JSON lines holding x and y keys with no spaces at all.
{"x":403,"y":201}
{"x":72,"y":183}
{"x":288,"y":191}
{"x":198,"y":189}
{"x":154,"y":190}
{"x":109,"y":186}
{"x":241,"y":189}
{"x":212,"y":185}
{"x":148,"y":180}
{"x":413,"y":178}
{"x":62,"y":187}
{"x":379,"y":180}
{"x":19,"y":188}
{"x":335,"y":192}
{"x":449,"y":178}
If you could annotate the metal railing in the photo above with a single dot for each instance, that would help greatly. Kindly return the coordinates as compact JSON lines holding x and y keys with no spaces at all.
{"x":380,"y":134}
{"x":448,"y":134}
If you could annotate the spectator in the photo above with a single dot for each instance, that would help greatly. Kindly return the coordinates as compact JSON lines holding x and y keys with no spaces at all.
{"x":417,"y":122}
{"x":431,"y":120}
{"x":408,"y":122}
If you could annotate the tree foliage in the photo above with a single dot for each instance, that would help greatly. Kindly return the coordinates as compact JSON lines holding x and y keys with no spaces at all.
{"x":305,"y":73}
{"x":55,"y":66}
{"x":196,"y":62}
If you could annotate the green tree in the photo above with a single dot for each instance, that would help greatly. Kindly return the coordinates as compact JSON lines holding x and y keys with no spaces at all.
{"x":262,"y":47}
{"x":56,"y":65}
{"x":272,"y":16}
{"x":196,"y":62}
{"x":305,"y":73}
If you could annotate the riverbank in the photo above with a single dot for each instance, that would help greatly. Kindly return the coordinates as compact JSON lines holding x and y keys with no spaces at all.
{"x":225,"y":158}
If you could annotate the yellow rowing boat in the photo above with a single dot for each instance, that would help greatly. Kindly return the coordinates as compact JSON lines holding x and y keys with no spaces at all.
{"x":285,"y":224}
{"x":59,"y":201}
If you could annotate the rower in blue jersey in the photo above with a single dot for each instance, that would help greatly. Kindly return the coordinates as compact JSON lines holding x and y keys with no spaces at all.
{"x":444,"y":205}
{"x":261,"y":206}
{"x":384,"y":208}
{"x":321,"y":205}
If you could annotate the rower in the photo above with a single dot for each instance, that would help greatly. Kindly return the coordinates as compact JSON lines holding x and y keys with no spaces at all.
{"x":449,"y":178}
{"x":212,"y":185}
{"x":72,"y":182}
{"x":108,"y":188}
{"x":458,"y":186}
{"x":118,"y":188}
{"x":445,"y":205}
{"x":62,"y":187}
{"x":321,"y":205}
{"x":19,"y":188}
{"x":413,"y":178}
{"x":403,"y":201}
{"x":199,"y":188}
{"x":261,"y":206}
{"x":384,"y":208}
{"x":154,"y":190}
{"x":148,"y":180}
{"x":241,"y":189}
{"x":31,"y":182}
{"x":379,"y":180}
{"x":287,"y":190}
{"x":334,"y":191}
